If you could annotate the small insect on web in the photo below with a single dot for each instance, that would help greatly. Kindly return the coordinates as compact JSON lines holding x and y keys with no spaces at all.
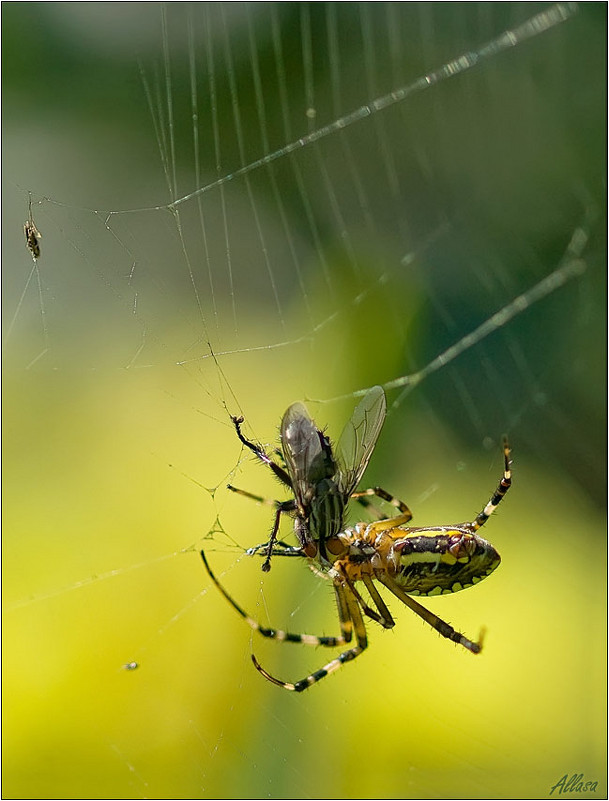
{"x":32,"y":234}
{"x":427,"y":561}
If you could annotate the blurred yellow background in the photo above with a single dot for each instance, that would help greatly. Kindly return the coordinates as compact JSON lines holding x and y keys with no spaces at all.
{"x":413,"y":717}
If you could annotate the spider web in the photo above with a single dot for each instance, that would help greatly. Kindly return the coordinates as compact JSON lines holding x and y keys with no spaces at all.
{"x":242,"y":205}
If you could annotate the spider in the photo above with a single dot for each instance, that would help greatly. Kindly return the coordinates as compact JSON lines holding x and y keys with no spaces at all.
{"x":322,"y":480}
{"x":436,"y":560}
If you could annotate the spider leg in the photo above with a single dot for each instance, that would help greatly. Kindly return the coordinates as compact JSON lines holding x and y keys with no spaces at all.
{"x":286,"y":636}
{"x":266,"y":565}
{"x":262,"y":455}
{"x":387,"y":622}
{"x":348,"y":605}
{"x":379,"y":492}
{"x":434,"y":621}
{"x":388,"y":523}
{"x":344,"y":615}
{"x":281,"y":507}
{"x":384,"y":618}
{"x":281,"y":549}
{"x":286,"y":506}
{"x":504,"y":485}
{"x":376,"y":512}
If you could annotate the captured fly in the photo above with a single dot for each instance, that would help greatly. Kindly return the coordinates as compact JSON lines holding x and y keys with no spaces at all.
{"x":322,"y":479}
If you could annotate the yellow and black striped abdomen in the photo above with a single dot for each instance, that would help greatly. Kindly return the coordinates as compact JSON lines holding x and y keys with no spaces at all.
{"x":443,"y":560}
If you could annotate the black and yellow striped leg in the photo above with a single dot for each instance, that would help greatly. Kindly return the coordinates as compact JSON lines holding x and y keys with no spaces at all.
{"x":286,"y":636}
{"x":279,"y":549}
{"x":504,"y":485}
{"x":348,"y":602}
{"x":281,"y":507}
{"x":379,"y":492}
{"x":262,"y":455}
{"x":434,"y":621}
{"x":384,"y":618}
{"x":285,"y":506}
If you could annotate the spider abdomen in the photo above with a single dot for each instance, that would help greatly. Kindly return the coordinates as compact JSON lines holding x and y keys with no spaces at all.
{"x":442,"y":560}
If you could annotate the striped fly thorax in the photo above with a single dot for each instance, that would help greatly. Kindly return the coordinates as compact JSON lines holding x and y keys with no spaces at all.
{"x":327,"y":511}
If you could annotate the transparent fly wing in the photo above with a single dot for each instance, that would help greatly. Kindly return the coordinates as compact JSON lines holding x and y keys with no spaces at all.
{"x":359,"y":437}
{"x":307,"y":452}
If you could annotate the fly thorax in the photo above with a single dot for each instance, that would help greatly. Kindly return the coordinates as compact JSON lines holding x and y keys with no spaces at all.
{"x":327,"y":510}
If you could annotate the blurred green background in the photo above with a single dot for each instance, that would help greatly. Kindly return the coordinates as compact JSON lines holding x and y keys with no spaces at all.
{"x":349,"y":262}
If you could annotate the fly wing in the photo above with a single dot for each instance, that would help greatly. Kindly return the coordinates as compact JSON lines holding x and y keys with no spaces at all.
{"x":359,"y":437}
{"x":307,"y":453}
